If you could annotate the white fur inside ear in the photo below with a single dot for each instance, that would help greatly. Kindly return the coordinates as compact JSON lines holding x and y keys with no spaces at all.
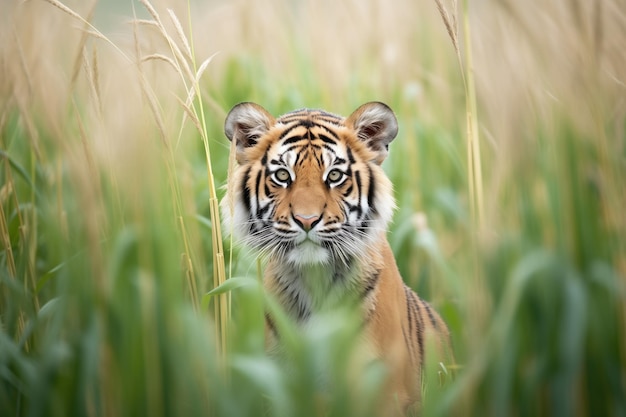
{"x":376,"y":125}
{"x":246,"y":123}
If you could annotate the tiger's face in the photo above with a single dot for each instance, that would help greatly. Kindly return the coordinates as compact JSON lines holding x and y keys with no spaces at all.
{"x":308,"y":187}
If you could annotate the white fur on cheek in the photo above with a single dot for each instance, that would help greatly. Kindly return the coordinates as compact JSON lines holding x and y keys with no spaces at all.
{"x":234,"y":221}
{"x":384,"y":201}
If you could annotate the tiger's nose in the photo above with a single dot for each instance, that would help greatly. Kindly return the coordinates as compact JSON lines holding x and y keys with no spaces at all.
{"x":306,"y":222}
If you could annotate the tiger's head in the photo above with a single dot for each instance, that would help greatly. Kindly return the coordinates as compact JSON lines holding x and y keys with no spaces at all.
{"x":308,"y":187}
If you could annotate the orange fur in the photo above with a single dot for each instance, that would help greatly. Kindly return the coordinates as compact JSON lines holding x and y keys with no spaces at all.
{"x":310,"y":194}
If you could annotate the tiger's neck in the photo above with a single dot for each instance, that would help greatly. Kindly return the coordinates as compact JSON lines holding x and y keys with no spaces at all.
{"x":306,"y":289}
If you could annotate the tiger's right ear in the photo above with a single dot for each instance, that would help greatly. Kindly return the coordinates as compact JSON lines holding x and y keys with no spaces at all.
{"x":245,"y":124}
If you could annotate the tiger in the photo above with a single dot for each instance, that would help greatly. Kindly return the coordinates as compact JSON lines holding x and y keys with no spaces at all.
{"x":308,"y":192}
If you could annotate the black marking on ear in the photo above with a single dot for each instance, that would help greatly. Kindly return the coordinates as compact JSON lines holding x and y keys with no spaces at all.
{"x":252,"y":140}
{"x":369,"y":131}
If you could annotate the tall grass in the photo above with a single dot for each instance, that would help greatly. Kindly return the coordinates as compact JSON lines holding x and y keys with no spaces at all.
{"x":120,"y":295}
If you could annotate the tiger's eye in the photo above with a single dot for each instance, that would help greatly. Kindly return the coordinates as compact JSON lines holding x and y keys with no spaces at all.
{"x":334,"y":175}
{"x":282,"y":175}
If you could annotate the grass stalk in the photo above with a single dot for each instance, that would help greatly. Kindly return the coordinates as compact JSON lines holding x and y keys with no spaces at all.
{"x":477,"y":302}
{"x":473,"y":148}
{"x":222,"y":304}
{"x":8,"y":249}
{"x":466,"y":67}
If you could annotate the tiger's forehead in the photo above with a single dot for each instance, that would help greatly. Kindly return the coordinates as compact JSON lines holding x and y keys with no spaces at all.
{"x":313,"y":134}
{"x":311,"y":116}
{"x":310,"y":135}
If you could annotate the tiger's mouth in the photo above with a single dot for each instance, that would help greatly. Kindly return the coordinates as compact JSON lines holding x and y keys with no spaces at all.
{"x":309,"y":237}
{"x":309,"y":252}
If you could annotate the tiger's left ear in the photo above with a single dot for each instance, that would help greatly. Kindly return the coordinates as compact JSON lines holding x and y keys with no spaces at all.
{"x":376,"y":125}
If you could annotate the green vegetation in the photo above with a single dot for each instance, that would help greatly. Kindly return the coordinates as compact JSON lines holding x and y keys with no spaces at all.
{"x":112,"y":157}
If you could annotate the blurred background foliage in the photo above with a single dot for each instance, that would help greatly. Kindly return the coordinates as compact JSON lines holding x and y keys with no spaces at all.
{"x":107,"y":239}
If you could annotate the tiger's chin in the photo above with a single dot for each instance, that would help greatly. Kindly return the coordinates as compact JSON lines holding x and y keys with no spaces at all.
{"x":308,"y":253}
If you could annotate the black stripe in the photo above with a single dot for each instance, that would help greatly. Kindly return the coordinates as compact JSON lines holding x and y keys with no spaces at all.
{"x":328,"y":148}
{"x":320,"y":163}
{"x":326,"y":139}
{"x":371,"y":283}
{"x":350,"y":156}
{"x":371,"y":191}
{"x":324,"y":114}
{"x":307,"y":115}
{"x":293,"y":139}
{"x":410,"y":318}
{"x":429,"y":310}
{"x":307,"y":123}
{"x":287,"y":131}
{"x":352,"y":207}
{"x":420,"y":327}
{"x":363,"y":225}
{"x":264,"y":210}
{"x":331,"y":133}
{"x":246,"y":189}
{"x":357,"y":179}
{"x":299,"y":158}
{"x":258,"y":191}
{"x":291,"y":148}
